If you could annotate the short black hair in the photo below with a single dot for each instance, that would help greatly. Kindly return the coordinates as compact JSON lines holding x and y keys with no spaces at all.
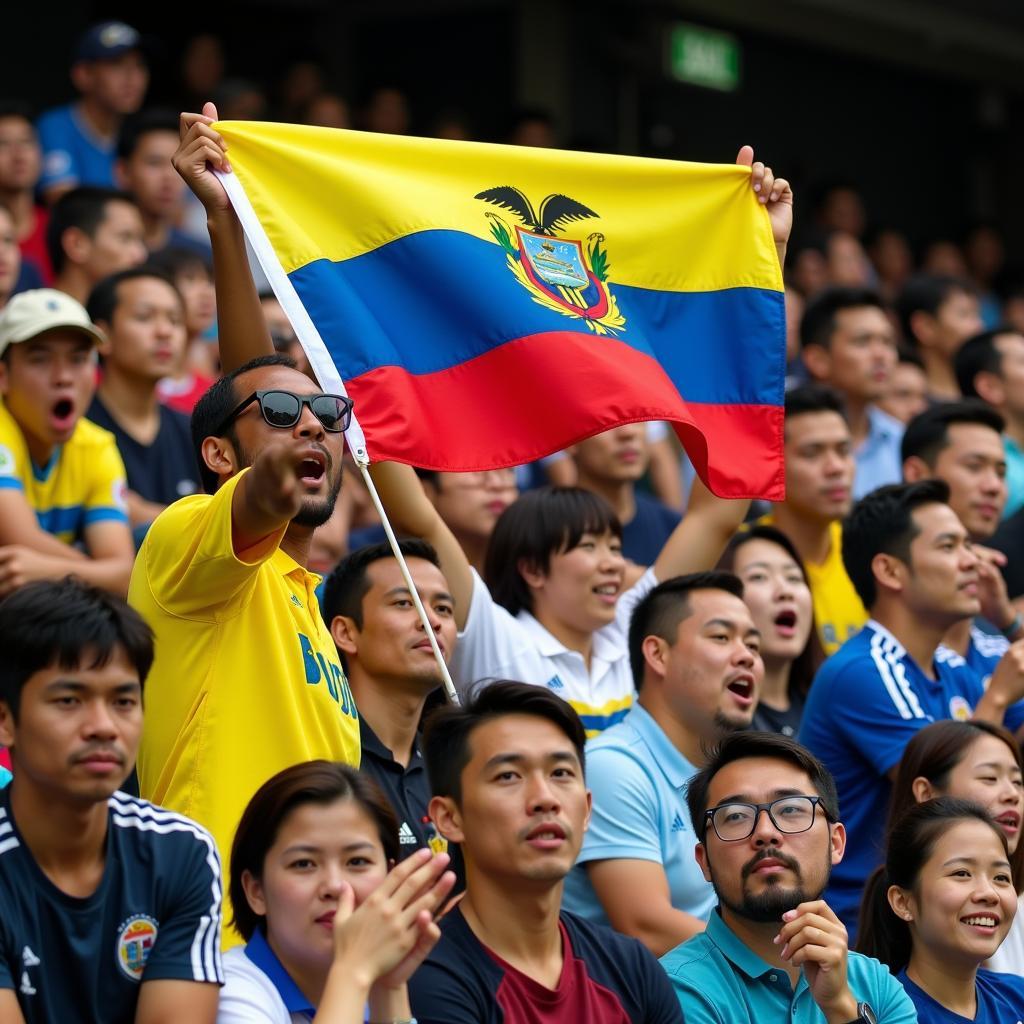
{"x":216,"y":404}
{"x":927,"y":293}
{"x":979,"y":355}
{"x":348,"y":582}
{"x":882,"y":522}
{"x":928,"y":432}
{"x":808,"y":398}
{"x":660,"y":611}
{"x":136,"y":128}
{"x":177,"y":259}
{"x":103,"y":299}
{"x":84,"y":208}
{"x":738,"y":746}
{"x":819,"y":319}
{"x":537,"y":525}
{"x":446,"y":737}
{"x":61,"y":623}
{"x":19,"y":109}
{"x":905,"y":354}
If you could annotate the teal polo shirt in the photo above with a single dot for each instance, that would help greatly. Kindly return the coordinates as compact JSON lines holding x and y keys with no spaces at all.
{"x":718,"y":979}
{"x":1014,"y":476}
{"x":638,"y":779}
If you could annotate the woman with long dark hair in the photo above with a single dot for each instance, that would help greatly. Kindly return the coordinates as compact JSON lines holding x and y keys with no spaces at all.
{"x":776,"y":590}
{"x":976,"y":761}
{"x":329,"y":929}
{"x":939,"y":908}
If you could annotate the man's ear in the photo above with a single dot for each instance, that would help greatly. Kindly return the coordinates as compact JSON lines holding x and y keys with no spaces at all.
{"x":121,"y":175}
{"x":915,"y":469}
{"x":6,"y":725}
{"x":700,"y":855}
{"x":838,"y":839}
{"x":444,"y":813}
{"x":253,"y":889}
{"x":922,"y":327}
{"x":655,"y":652}
{"x":990,"y":387}
{"x":345,"y":634}
{"x":818,"y":361}
{"x":81,"y":76}
{"x":104,"y":346}
{"x":220,"y":456}
{"x":889,"y":572}
{"x":76,"y":244}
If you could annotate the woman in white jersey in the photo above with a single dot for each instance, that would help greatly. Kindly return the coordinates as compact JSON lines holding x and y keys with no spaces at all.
{"x":329,"y":930}
{"x":551,"y":608}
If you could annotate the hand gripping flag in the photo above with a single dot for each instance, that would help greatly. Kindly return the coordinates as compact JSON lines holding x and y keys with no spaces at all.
{"x":486,"y":305}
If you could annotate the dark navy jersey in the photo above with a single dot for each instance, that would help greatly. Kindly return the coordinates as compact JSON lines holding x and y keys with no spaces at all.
{"x":607,"y":978}
{"x":154,"y":915}
{"x":162,"y":471}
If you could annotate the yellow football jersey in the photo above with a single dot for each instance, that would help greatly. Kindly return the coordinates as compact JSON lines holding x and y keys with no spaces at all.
{"x":83,"y":483}
{"x":247,"y":679}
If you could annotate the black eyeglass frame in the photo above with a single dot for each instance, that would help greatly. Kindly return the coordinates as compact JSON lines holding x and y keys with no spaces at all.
{"x":816,"y":802}
{"x":303,"y":400}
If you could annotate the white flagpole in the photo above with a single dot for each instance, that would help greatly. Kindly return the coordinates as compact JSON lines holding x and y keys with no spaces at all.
{"x":329,"y":378}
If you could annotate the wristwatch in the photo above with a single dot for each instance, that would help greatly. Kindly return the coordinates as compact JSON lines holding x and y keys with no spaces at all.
{"x":865,"y":1015}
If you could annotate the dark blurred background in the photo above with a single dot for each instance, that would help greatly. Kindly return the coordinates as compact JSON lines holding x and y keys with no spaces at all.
{"x":915,"y":103}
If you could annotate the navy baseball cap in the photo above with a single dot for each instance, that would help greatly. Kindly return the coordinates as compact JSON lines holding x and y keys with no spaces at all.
{"x":107,"y":40}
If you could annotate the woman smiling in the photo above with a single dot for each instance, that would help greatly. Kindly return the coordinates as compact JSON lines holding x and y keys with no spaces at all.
{"x":939,"y":909}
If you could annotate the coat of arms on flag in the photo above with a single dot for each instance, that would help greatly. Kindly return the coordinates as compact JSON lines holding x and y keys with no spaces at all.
{"x":559,"y":273}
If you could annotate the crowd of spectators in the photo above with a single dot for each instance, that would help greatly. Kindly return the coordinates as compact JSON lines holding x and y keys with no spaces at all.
{"x":231,"y":788}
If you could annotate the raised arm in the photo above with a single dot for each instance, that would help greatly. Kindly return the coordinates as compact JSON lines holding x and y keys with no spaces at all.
{"x":242,"y":330}
{"x":701,"y":536}
{"x":412,"y":513}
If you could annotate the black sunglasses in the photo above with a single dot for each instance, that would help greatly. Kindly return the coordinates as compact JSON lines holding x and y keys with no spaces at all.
{"x":283,"y":409}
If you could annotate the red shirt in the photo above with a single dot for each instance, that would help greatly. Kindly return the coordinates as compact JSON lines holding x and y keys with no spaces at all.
{"x":183,"y":393}
{"x":33,"y":246}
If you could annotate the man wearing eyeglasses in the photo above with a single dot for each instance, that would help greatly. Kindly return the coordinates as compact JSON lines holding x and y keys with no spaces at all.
{"x":766,"y":816}
{"x":247,"y":679}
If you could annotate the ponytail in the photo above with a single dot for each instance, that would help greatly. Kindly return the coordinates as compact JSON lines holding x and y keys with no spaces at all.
{"x":881,"y":933}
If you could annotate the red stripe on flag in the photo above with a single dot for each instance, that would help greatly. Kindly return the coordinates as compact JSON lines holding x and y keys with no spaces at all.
{"x":512,"y":405}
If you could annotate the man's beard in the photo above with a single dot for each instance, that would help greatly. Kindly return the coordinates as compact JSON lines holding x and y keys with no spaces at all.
{"x":316,"y":511}
{"x":774,"y":899}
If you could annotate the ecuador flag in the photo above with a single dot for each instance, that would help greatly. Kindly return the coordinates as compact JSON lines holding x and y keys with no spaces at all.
{"x":486,"y":305}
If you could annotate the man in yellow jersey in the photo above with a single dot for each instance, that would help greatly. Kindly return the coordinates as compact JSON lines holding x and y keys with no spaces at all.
{"x":246,"y":680}
{"x":819,"y":479}
{"x":62,"y":481}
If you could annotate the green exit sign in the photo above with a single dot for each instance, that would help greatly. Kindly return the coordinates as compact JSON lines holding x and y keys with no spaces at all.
{"x":702,"y":56}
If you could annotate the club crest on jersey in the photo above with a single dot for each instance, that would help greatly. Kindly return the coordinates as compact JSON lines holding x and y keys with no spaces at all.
{"x":959,"y":709}
{"x":561,"y":274}
{"x":135,"y":940}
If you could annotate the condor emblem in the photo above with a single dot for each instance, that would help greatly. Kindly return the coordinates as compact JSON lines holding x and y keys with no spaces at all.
{"x":562,"y":274}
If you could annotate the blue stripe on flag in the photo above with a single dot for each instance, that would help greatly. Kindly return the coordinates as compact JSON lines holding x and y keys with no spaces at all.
{"x":430,"y":301}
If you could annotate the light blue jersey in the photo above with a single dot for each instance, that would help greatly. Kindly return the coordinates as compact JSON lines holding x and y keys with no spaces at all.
{"x":638,"y":779}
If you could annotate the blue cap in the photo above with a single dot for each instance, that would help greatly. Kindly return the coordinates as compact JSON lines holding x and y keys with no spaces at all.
{"x":106,"y":41}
